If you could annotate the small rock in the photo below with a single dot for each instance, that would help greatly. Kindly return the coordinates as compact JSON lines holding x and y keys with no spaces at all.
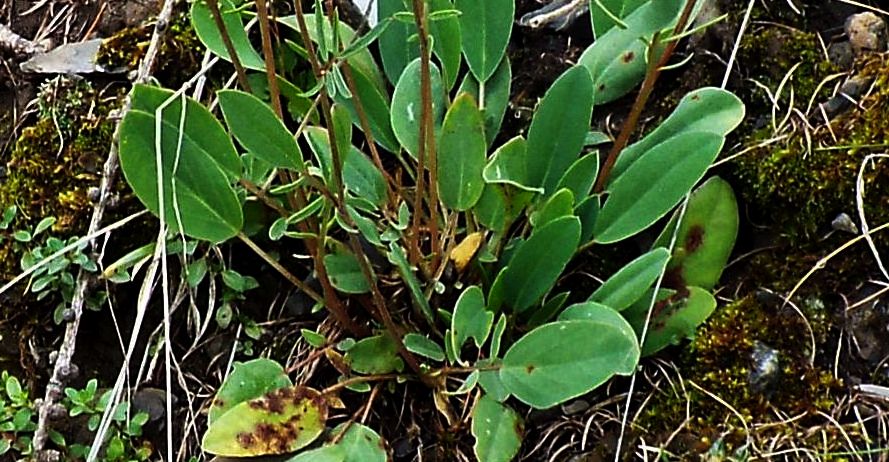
{"x":765,"y":368}
{"x":840,"y":54}
{"x":575,"y":407}
{"x":843,"y":222}
{"x":866,"y":32}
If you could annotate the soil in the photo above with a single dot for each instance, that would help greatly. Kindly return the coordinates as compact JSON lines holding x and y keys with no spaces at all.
{"x":852,"y":347}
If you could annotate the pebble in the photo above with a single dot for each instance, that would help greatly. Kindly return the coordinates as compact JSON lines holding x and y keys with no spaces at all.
{"x":866,"y":32}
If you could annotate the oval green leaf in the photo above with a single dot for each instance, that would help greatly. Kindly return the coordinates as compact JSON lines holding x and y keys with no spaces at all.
{"x":497,"y":429}
{"x":626,"y":286}
{"x":654,"y":184}
{"x":208,"y":33}
{"x":675,"y":317}
{"x":279,"y":422}
{"x":345,"y":273}
{"x":407,"y":109}
{"x":374,"y":355}
{"x":273,"y":143}
{"x":471,"y":319}
{"x":509,"y":165}
{"x":461,"y":155}
{"x":423,"y":346}
{"x":712,"y":110}
{"x":538,"y":263}
{"x":203,"y":165}
{"x":485,"y":28}
{"x":446,"y":41}
{"x":559,"y":128}
{"x":706,"y":236}
{"x":617,"y":59}
{"x":565,"y":359}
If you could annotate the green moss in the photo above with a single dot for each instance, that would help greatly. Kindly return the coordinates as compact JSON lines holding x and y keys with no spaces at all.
{"x":720,"y":360}
{"x":56,"y":161}
{"x":179,"y":55}
{"x":804,"y":180}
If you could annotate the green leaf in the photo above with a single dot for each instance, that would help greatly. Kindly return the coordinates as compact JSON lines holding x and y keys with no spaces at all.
{"x":711,"y":110}
{"x":490,"y":381}
{"x":617,"y":59}
{"x":490,"y":210}
{"x":274,"y":144}
{"x":247,"y":381}
{"x":423,"y":346}
{"x":445,"y":33}
{"x":626,"y":286}
{"x":345,"y":273}
{"x":360,"y":175}
{"x":706,"y":237}
{"x":359,"y":444}
{"x":375,"y":103}
{"x":538,"y":263}
{"x":497,"y":336}
{"x":203,"y":165}
{"x":559,"y":128}
{"x":43,"y":225}
{"x":509,"y":165}
{"x":675,"y":317}
{"x":654,"y":184}
{"x":313,"y":338}
{"x":581,"y":175}
{"x":396,"y":50}
{"x":602,"y":21}
{"x":374,"y":355}
{"x":208,"y":33}
{"x":342,"y":124}
{"x":397,"y":257}
{"x":562,"y":360}
{"x":360,"y":60}
{"x":592,"y":311}
{"x":485,"y":29}
{"x":471,"y":319}
{"x":497,"y":429}
{"x":279,"y":422}
{"x":588,"y":212}
{"x":461,"y":155}
{"x":496,"y":97}
{"x":560,"y":204}
{"x":407,"y":107}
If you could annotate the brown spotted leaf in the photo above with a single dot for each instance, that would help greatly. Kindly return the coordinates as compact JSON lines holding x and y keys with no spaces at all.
{"x":279,"y":422}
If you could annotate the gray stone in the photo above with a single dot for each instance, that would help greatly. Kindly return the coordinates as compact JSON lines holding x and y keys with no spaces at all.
{"x":866,"y":32}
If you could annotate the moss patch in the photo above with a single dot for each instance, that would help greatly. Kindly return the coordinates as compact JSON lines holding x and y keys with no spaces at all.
{"x":754,"y":355}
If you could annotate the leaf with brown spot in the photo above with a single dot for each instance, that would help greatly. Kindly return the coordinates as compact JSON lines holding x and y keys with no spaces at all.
{"x":248,"y":380}
{"x":279,"y":422}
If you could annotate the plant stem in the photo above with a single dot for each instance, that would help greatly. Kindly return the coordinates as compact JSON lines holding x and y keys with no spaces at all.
{"x":426,"y":154}
{"x":269,"y":56}
{"x":651,"y":76}
{"x":229,"y":46}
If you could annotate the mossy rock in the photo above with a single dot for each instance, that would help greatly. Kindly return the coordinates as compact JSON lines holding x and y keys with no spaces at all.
{"x":725,"y":358}
{"x":801,"y":182}
{"x":55,"y":162}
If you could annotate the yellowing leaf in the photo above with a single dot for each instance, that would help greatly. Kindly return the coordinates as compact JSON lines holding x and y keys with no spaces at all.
{"x":279,"y":422}
{"x":466,"y":250}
